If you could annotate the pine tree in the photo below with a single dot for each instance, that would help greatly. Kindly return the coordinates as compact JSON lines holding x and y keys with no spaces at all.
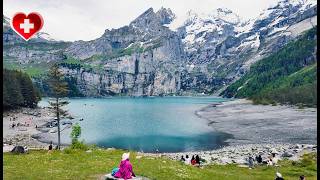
{"x":59,"y":90}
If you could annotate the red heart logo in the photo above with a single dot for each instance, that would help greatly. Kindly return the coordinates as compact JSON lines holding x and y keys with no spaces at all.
{"x":27,"y":25}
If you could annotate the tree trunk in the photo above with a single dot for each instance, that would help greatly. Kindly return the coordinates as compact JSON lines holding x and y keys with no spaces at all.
{"x":58,"y":120}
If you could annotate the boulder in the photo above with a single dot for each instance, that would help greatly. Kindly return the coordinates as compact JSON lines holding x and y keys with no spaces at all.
{"x":287,"y":154}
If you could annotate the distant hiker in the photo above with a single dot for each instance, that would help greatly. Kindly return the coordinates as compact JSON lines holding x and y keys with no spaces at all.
{"x":259,"y":159}
{"x":302,"y":177}
{"x":250,"y":162}
{"x":182,"y":159}
{"x":125,"y":168}
{"x":188,"y":160}
{"x":279,"y":176}
{"x":193,"y":160}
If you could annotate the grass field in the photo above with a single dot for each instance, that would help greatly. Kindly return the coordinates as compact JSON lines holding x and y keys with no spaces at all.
{"x":77,"y":164}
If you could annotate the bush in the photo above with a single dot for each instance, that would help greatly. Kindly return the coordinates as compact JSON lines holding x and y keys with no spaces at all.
{"x":67,"y":150}
{"x":79,"y":145}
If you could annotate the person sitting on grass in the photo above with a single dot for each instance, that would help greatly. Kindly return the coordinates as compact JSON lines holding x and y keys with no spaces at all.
{"x":259,"y":159}
{"x":279,"y":176}
{"x":274,"y":160}
{"x":188,"y":160}
{"x":125,"y":168}
{"x":193,"y":160}
{"x":50,"y":147}
{"x":250,"y":162}
{"x":197,"y":161}
{"x":182,"y":159}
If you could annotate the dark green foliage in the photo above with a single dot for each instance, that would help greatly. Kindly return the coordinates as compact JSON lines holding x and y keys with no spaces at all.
{"x":72,"y":87}
{"x":75,"y":133}
{"x":287,"y":76}
{"x":18,"y":90}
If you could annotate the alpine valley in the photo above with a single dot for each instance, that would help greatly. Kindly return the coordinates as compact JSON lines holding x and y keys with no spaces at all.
{"x":149,"y":58}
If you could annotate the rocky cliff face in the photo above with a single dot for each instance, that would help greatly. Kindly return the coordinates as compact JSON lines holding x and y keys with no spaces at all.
{"x":147,"y":58}
{"x":142,"y":58}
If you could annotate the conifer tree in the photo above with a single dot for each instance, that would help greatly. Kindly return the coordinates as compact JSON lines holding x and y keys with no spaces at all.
{"x":59,"y":90}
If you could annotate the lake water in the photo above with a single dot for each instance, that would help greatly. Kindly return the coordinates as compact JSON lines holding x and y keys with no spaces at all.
{"x":168,"y":124}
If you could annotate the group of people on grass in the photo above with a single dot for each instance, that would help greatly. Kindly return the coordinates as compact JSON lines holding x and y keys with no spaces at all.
{"x":194,"y":160}
{"x":125,"y":170}
{"x":272,"y":160}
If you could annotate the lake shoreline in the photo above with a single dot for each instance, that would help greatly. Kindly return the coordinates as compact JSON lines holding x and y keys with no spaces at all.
{"x":236,"y":152}
{"x":239,"y":118}
{"x":257,"y":124}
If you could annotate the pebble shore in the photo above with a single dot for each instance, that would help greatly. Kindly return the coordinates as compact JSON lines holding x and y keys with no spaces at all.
{"x":239,"y":154}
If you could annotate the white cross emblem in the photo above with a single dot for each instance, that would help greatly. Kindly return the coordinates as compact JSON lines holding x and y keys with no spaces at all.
{"x":26,"y":26}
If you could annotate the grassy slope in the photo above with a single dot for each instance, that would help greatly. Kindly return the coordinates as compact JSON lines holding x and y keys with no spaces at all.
{"x":290,"y":69}
{"x":81,"y":165}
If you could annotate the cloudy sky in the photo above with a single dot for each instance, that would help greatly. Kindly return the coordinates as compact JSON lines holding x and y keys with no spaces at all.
{"x":86,"y":20}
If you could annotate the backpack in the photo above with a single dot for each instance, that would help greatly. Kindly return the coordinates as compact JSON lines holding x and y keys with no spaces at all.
{"x":114,"y":171}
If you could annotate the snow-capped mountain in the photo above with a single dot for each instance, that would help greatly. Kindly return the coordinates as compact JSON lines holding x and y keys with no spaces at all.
{"x":228,"y":45}
{"x":146,"y":57}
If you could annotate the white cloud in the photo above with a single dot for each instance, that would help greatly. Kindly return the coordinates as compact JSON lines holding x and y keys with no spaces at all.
{"x":87,"y":20}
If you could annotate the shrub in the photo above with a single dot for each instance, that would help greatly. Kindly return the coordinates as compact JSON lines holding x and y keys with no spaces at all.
{"x":79,"y":145}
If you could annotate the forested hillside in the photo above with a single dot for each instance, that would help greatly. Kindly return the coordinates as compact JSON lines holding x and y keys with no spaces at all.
{"x":287,"y":76}
{"x":18,"y":90}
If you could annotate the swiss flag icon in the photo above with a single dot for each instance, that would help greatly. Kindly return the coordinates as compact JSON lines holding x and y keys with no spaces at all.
{"x":27,"y":25}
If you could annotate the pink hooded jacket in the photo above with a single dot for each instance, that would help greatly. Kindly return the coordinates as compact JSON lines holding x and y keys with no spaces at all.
{"x":125,"y":170}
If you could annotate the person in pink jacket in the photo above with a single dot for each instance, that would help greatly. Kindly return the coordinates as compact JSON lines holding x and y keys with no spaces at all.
{"x":125,"y":168}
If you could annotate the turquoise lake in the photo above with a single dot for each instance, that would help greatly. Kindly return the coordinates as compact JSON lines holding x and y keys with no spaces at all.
{"x":168,"y":124}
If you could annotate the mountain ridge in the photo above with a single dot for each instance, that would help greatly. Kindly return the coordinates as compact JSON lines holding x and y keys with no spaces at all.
{"x":146,"y":57}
